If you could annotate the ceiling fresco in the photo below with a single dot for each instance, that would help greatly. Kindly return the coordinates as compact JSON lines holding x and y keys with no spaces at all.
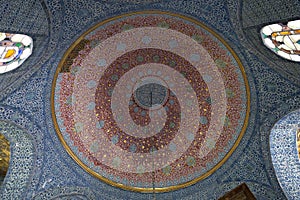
{"x":152,"y":100}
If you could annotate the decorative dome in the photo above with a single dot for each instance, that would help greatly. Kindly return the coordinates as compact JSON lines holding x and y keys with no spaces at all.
{"x":150,"y":100}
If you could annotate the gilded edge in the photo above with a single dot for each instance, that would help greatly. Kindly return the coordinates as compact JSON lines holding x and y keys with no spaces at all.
{"x":138,"y":189}
{"x":4,"y":155}
{"x":298,"y":142}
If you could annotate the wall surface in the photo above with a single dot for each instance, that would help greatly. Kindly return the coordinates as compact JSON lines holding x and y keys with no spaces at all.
{"x":40,"y":166}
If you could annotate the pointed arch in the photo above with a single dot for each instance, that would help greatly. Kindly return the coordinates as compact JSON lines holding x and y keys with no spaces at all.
{"x":284,"y":153}
{"x":14,"y":50}
{"x":21,"y":163}
{"x":283,"y":39}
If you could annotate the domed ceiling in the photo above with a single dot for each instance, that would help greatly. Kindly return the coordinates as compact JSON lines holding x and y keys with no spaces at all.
{"x":150,"y":99}
{"x":119,"y":102}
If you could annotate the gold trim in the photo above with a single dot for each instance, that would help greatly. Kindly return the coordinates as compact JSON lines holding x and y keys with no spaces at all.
{"x":298,"y":141}
{"x":138,"y":189}
{"x":5,"y":155}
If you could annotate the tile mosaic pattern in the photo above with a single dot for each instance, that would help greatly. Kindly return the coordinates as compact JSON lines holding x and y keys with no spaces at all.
{"x":43,"y":25}
{"x":249,"y":17}
{"x":25,"y":98}
{"x":183,"y":134}
{"x":21,"y":164}
{"x":283,"y":144}
{"x":64,"y":193}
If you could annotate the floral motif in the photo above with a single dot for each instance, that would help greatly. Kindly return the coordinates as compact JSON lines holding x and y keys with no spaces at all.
{"x":130,"y":142}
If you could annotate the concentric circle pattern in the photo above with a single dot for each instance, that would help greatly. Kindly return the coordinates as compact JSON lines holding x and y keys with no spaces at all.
{"x":149,"y":99}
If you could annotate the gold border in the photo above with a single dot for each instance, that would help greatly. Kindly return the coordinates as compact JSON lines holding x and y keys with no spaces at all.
{"x":138,"y":189}
{"x":298,"y":141}
{"x":4,"y":160}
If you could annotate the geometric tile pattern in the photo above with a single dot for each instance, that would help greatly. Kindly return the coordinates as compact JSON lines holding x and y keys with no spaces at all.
{"x":21,"y":163}
{"x":248,"y":18}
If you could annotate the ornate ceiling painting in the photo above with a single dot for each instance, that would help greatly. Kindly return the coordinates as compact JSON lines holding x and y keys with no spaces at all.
{"x":150,"y":101}
{"x":283,"y":39}
{"x":14,"y":50}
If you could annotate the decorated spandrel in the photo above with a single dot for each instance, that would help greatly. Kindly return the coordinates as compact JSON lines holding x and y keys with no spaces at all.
{"x":14,"y":50}
{"x":283,"y":39}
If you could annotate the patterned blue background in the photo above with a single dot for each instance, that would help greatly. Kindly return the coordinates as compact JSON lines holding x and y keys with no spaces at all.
{"x":40,"y":167}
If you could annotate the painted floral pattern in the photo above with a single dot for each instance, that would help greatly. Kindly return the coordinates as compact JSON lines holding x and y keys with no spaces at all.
{"x":198,"y":121}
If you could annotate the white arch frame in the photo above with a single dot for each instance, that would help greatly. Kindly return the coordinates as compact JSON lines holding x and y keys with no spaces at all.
{"x":14,"y":50}
{"x":284,"y":40}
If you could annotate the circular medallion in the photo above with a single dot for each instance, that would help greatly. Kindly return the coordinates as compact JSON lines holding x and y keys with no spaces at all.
{"x":150,"y":101}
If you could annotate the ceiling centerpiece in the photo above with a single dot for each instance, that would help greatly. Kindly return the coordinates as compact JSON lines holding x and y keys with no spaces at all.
{"x":150,"y":101}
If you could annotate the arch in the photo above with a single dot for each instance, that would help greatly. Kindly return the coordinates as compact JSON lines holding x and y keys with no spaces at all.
{"x":283,"y":39}
{"x":22,"y":161}
{"x":27,"y":153}
{"x":14,"y":50}
{"x":284,"y":153}
{"x":43,"y":24}
{"x":248,"y":18}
